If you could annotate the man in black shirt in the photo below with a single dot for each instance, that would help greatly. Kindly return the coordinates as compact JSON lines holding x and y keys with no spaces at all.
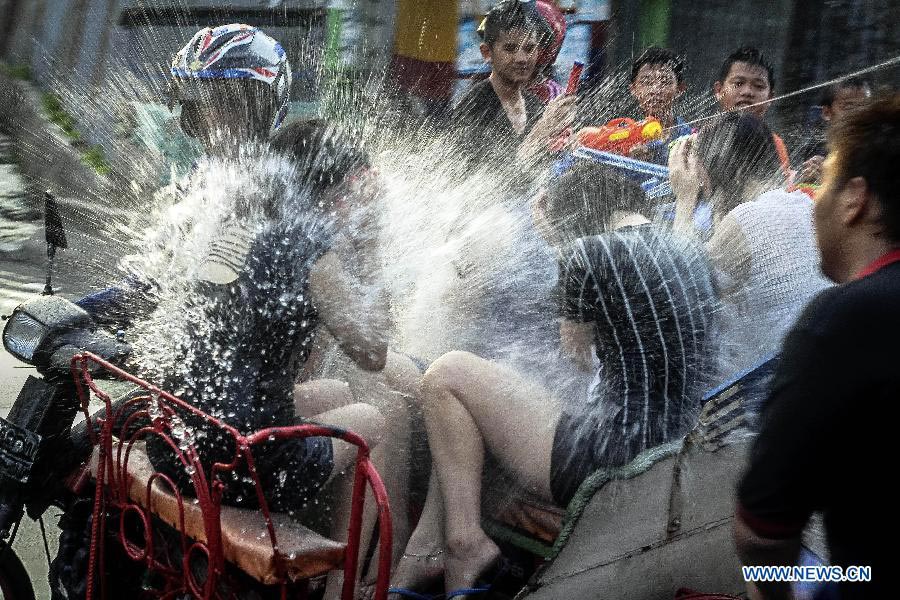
{"x":498,"y":115}
{"x":833,"y":403}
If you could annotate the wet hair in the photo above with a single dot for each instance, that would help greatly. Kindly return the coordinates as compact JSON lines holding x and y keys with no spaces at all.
{"x":325,"y":154}
{"x":751,"y":56}
{"x":858,"y":83}
{"x":658,"y":57}
{"x":867,"y":144}
{"x":581,"y":202}
{"x":735,"y":150}
{"x":508,"y":15}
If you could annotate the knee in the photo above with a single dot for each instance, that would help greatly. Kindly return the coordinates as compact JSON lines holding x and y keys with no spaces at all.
{"x":447,"y":374}
{"x":402,"y":374}
{"x":370,"y":424}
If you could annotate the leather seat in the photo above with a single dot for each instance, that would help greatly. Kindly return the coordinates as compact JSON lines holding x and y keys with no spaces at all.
{"x":302,"y":553}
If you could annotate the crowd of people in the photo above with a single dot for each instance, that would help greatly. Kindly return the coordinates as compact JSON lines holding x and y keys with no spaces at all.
{"x":654,"y":305}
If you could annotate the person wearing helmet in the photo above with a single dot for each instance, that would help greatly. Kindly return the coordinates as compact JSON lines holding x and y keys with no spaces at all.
{"x":233,"y":84}
{"x":239,"y":272}
{"x":259,"y":279}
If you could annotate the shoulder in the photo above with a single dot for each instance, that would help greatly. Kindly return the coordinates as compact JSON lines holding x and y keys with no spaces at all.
{"x":855,"y":308}
{"x":638,"y":245}
{"x":476,"y":95}
{"x":771,"y":205}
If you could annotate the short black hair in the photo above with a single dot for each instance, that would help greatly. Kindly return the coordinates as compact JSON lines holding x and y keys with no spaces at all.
{"x":751,"y":56}
{"x":657,"y":56}
{"x":325,"y":154}
{"x":508,"y":15}
{"x":867,"y":143}
{"x":581,"y":202}
{"x":860,"y":83}
{"x":736,"y":149}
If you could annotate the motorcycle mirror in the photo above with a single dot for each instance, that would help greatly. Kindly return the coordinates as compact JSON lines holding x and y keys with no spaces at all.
{"x":54,"y":232}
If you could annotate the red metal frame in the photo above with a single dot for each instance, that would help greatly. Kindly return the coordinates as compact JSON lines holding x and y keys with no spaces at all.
{"x":159,"y":408}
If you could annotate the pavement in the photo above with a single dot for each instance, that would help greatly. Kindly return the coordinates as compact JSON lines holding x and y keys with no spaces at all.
{"x":22,"y":277}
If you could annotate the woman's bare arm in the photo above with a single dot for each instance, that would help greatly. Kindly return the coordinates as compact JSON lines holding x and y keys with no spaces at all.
{"x":354,"y":311}
{"x":577,"y":340}
{"x":730,"y":254}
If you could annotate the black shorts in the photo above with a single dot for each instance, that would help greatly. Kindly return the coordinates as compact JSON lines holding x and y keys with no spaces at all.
{"x":291,"y":472}
{"x":572,"y":459}
{"x":586,"y":441}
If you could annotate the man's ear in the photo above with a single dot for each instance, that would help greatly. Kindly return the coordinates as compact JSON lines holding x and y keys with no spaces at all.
{"x":856,"y":203}
{"x":485,"y":52}
{"x":682,"y":87}
{"x":631,"y":89}
{"x":717,"y":90}
{"x":826,"y":113}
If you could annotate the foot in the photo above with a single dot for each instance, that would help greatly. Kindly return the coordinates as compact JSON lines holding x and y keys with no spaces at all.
{"x":418,"y":569}
{"x":468,"y":559}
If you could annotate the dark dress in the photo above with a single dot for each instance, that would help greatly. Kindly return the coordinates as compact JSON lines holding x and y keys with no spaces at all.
{"x":651,"y":299}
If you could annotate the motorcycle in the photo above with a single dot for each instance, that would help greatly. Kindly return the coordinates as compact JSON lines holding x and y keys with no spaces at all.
{"x":127,"y":529}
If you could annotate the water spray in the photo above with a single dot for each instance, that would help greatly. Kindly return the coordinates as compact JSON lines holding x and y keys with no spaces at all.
{"x":888,"y":63}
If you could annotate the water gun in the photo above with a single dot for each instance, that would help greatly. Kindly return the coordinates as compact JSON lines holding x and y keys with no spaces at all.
{"x":621,"y":135}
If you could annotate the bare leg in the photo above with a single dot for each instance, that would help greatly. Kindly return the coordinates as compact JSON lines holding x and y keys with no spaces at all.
{"x":367,"y":422}
{"x":423,"y":560}
{"x":391,"y":390}
{"x":318,"y":396}
{"x":471,"y":403}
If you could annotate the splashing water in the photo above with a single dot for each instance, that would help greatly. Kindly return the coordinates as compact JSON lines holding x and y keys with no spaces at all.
{"x":458,"y":252}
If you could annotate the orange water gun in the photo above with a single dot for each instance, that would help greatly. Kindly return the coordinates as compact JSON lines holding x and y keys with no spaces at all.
{"x":621,"y":135}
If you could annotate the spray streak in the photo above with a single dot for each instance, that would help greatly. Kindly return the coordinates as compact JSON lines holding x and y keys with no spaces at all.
{"x":888,"y":63}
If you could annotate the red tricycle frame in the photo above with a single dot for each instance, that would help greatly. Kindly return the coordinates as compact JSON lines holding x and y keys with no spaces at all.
{"x":158,"y":408}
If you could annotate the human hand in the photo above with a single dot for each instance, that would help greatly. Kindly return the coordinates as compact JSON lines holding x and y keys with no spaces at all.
{"x":559,"y":114}
{"x":686,"y":178}
{"x":640,"y":152}
{"x":685,"y":173}
{"x":811,"y":170}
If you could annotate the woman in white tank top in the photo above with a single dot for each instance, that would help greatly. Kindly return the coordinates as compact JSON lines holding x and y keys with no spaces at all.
{"x":763,"y":244}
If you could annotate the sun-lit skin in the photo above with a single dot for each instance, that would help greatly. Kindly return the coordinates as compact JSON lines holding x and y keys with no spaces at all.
{"x":655,"y":89}
{"x":745,"y":87}
{"x":850,"y":230}
{"x":823,"y":214}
